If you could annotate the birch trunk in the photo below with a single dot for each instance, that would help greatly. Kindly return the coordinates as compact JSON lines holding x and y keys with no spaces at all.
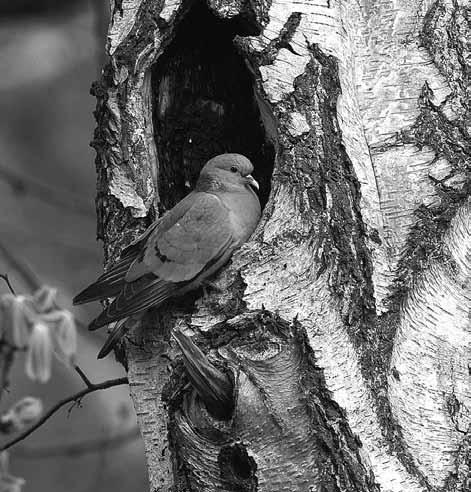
{"x":343,"y":324}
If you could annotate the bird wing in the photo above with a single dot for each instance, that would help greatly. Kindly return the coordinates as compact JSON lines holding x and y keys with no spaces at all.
{"x":107,"y":285}
{"x":181,"y":248}
{"x":111,"y":282}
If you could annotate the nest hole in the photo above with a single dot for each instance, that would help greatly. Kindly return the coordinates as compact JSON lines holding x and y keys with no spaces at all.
{"x":204,"y":104}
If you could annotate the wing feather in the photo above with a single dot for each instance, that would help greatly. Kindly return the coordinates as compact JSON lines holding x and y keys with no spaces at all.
{"x":132,"y":300}
{"x":111,"y":282}
{"x":107,"y":285}
{"x":182,"y":250}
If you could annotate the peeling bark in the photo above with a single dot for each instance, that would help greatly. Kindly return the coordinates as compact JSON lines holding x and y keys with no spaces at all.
{"x":344,"y":322}
{"x":285,"y":432}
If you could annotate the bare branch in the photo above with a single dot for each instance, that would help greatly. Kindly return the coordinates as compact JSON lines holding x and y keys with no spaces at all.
{"x":5,"y":277}
{"x":77,"y":397}
{"x":84,"y":377}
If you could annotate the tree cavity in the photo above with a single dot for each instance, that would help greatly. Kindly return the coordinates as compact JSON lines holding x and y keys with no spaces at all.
{"x":204,"y":104}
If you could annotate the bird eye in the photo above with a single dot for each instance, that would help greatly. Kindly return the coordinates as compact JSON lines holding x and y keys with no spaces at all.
{"x":234,"y":169}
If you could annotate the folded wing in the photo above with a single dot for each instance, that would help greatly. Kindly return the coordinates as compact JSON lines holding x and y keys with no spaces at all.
{"x":178,"y":254}
{"x":112,"y":281}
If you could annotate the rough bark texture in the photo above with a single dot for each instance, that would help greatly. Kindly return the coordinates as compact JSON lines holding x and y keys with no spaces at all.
{"x":344,"y":322}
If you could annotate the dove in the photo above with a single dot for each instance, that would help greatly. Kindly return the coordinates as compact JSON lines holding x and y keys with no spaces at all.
{"x":183,"y":248}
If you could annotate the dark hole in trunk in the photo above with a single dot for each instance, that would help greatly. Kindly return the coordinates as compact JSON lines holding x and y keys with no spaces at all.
{"x":204,"y":105}
{"x":238,"y":469}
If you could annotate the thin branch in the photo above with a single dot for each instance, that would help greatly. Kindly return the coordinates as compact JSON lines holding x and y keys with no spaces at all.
{"x":5,"y":277}
{"x":74,"y":398}
{"x":84,"y":377}
{"x":79,"y":448}
{"x":23,"y":184}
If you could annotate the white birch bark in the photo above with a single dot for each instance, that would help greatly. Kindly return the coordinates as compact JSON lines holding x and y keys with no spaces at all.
{"x":402,"y":373}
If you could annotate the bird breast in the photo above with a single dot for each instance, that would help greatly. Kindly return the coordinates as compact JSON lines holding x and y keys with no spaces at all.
{"x":244,"y":213}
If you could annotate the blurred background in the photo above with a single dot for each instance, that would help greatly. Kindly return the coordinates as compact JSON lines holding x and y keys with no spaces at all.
{"x":50,"y":53}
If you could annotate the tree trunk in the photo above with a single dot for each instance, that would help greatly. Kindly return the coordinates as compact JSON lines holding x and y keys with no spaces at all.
{"x":342,"y":327}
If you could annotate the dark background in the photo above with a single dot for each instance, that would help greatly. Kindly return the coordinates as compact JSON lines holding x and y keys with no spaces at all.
{"x":50,"y":53}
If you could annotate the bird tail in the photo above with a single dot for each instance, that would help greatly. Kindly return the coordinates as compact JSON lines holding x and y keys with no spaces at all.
{"x":108,"y":285}
{"x":134,"y":298}
{"x":115,"y":336}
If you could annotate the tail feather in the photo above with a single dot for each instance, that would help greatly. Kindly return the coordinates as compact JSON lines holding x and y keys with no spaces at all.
{"x":136,"y":298}
{"x":108,"y":285}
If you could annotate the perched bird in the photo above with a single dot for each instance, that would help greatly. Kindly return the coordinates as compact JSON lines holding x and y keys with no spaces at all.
{"x":184,"y":247}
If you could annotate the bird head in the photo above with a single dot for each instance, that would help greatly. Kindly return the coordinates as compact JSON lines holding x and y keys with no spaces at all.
{"x":227,"y":172}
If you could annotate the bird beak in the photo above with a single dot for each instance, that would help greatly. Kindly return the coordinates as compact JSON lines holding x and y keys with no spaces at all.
{"x":251,"y":182}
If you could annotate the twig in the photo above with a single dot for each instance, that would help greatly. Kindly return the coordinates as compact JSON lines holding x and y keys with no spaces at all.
{"x":79,"y":448}
{"x":74,"y":398}
{"x":5,"y":277}
{"x":84,"y":377}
